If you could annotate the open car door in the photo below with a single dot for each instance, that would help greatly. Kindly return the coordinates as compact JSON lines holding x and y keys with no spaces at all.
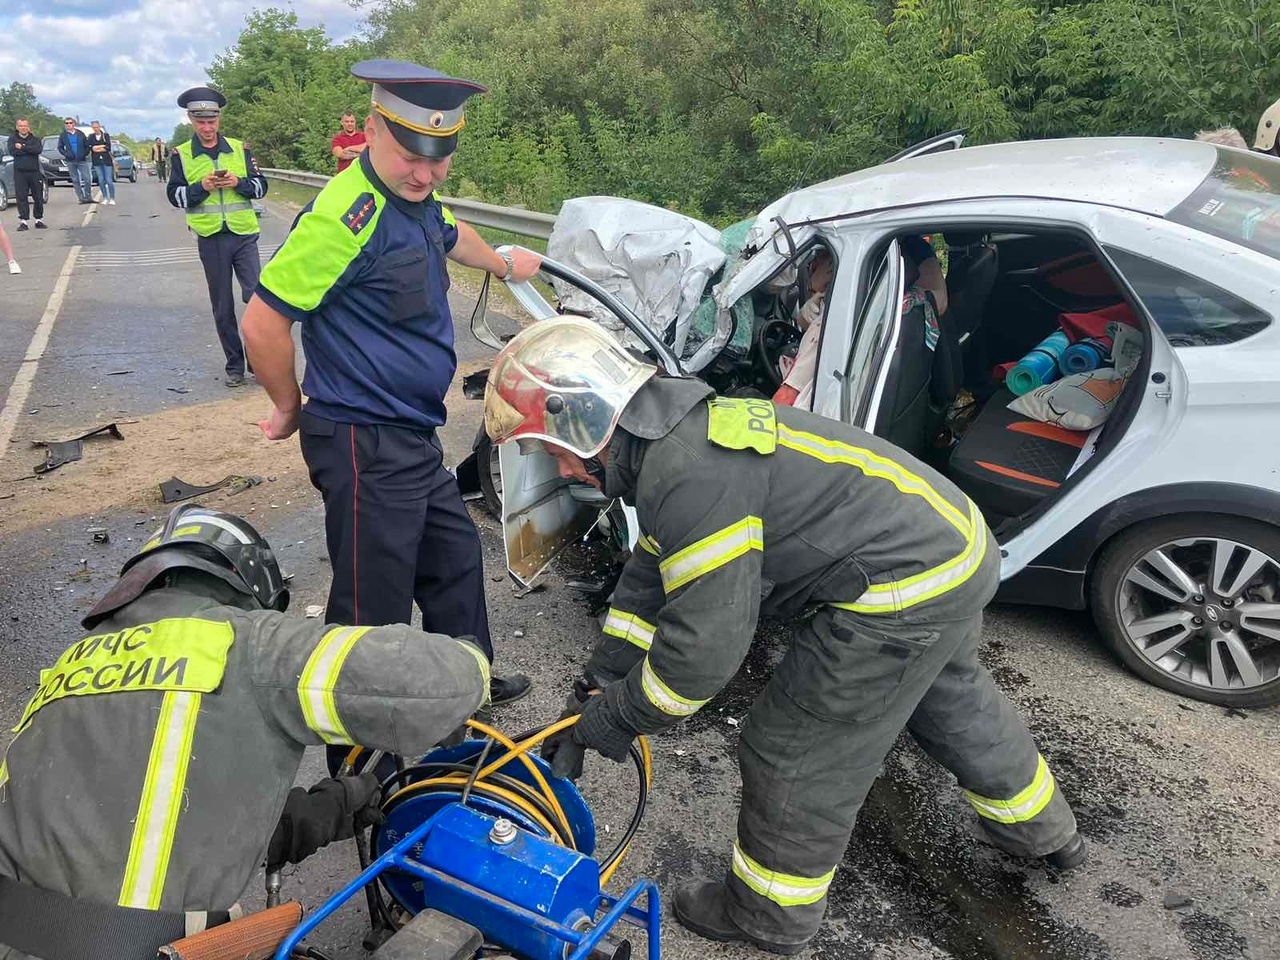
{"x":542,"y":512}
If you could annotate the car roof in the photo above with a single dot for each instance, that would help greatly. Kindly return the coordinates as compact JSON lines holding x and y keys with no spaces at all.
{"x":1143,"y":174}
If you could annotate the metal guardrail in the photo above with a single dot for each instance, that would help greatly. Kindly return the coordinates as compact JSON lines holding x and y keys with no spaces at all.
{"x":525,"y":223}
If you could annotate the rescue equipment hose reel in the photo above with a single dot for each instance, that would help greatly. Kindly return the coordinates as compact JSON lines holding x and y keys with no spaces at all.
{"x":483,"y":834}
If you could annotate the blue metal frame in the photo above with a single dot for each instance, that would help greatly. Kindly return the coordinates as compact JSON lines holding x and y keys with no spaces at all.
{"x":620,"y":909}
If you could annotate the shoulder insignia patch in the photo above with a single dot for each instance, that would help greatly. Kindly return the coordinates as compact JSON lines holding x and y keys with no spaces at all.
{"x":358,"y":214}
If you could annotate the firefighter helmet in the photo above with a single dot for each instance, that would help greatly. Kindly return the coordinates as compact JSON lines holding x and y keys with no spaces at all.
{"x":1268,"y":127}
{"x":564,"y":380}
{"x":199,"y":538}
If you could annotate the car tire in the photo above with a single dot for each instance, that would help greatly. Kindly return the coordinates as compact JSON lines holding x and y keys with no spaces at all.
{"x":133,"y":175}
{"x":1156,"y":603}
{"x":490,"y":476}
{"x":45,"y":197}
{"x":4,"y":198}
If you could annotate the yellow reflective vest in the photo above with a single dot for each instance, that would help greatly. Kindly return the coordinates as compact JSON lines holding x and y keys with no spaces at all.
{"x":223,"y":207}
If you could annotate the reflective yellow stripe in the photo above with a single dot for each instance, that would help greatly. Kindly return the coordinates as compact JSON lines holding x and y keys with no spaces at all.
{"x":449,"y":218}
{"x":629,"y":627}
{"x":784,"y":889}
{"x":872,"y":465}
{"x":901,"y":594}
{"x":663,"y":697}
{"x":1024,"y":806}
{"x":4,"y":772}
{"x":650,"y":545}
{"x":162,"y":791}
{"x":483,"y":662}
{"x":320,"y":676}
{"x":711,"y":552}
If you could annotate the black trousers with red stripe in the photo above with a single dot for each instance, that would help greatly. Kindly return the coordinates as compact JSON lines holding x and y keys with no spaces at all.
{"x":397,"y":529}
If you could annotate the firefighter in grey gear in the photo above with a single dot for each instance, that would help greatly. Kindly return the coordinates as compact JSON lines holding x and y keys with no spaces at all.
{"x":746,"y":508}
{"x":151,"y":767}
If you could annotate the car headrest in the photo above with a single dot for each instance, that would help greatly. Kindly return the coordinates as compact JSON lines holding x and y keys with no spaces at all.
{"x":964,"y":238}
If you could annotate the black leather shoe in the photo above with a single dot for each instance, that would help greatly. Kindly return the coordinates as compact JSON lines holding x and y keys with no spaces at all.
{"x":41,"y":225}
{"x":504,"y":690}
{"x":234,"y":380}
{"x":22,"y":225}
{"x":1068,"y":856}
{"x":701,"y":908}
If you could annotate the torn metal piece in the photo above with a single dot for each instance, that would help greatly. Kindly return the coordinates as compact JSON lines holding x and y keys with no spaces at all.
{"x":473,"y":384}
{"x":99,"y":535}
{"x":173,"y":489}
{"x":523,"y":592}
{"x":58,"y":452}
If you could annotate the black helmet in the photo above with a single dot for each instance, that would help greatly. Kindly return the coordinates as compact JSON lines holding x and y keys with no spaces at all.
{"x":199,"y":538}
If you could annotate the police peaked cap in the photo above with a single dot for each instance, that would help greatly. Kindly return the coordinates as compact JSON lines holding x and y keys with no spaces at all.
{"x":422,"y":107}
{"x":202,"y":102}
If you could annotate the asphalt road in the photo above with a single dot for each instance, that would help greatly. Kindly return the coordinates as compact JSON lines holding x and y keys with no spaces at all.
{"x":1179,"y":800}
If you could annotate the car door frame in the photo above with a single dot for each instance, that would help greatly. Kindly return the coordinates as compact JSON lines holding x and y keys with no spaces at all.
{"x":542,"y":513}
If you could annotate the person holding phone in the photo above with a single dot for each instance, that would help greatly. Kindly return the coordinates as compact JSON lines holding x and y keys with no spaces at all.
{"x":215,"y":180}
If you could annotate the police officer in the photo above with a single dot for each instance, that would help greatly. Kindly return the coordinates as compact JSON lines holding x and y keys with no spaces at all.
{"x":214,"y":179}
{"x":151,"y":765}
{"x":745,"y":506}
{"x":363,"y":272}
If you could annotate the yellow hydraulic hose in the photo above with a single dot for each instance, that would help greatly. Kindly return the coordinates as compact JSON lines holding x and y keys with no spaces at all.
{"x":519,"y":751}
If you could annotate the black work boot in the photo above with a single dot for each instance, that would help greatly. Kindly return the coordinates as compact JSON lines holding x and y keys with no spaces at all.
{"x":504,"y":690}
{"x":701,"y":907}
{"x":1068,"y":856}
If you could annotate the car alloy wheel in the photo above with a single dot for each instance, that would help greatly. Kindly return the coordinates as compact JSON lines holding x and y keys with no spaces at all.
{"x":1197,"y":610}
{"x":4,"y":198}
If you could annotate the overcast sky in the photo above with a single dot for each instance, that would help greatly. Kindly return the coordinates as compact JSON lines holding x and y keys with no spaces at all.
{"x":124,"y":62}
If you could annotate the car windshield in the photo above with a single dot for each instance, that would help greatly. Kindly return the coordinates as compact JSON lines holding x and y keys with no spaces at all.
{"x":1238,"y":201}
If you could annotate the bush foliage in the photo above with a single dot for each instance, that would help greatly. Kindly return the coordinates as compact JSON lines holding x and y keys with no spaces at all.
{"x":716,"y":107}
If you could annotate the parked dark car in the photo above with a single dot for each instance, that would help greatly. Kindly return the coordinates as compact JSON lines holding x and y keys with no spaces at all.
{"x":52,"y":163}
{"x":7,"y":192}
{"x":126,"y":166}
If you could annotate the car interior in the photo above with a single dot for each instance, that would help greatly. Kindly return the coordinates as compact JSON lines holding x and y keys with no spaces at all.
{"x":948,"y":403}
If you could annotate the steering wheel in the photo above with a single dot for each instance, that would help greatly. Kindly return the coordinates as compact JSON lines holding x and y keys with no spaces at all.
{"x":774,"y":337}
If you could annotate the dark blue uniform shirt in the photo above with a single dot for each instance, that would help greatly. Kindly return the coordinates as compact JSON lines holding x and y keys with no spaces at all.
{"x":364,"y":272}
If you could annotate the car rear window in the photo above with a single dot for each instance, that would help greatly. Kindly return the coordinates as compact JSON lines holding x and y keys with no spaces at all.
{"x":1191,"y":312}
{"x":1238,"y":201}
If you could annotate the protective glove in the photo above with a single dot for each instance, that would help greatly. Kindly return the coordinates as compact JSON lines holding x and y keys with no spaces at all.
{"x":601,"y":728}
{"x":329,"y":811}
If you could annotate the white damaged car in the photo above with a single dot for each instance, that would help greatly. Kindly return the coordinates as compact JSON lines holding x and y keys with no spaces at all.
{"x":1155,"y":504}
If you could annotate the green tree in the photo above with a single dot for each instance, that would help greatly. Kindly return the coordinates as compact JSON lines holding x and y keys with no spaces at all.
{"x":18,"y":100}
{"x":181,"y":134}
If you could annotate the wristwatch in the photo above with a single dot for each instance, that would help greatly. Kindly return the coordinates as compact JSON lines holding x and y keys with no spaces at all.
{"x":511,"y":265}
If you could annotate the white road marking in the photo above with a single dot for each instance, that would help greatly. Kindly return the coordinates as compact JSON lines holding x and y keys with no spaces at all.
{"x":23,"y":380}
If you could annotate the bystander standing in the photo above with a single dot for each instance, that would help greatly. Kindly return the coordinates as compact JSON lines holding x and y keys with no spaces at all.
{"x":6,"y":248}
{"x":103,"y":172}
{"x":349,"y":143}
{"x":74,"y":147}
{"x":28,"y":181}
{"x":159,"y":156}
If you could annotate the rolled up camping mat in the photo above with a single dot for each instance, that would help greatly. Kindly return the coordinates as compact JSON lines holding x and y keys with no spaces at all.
{"x":1083,"y":356}
{"x":1038,"y":367}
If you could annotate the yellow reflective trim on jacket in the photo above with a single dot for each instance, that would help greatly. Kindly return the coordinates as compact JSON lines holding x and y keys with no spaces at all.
{"x":161,"y":801}
{"x":873,"y":465}
{"x":711,"y":552}
{"x":180,"y":653}
{"x":320,"y":676}
{"x":482,"y":661}
{"x":784,"y":889}
{"x":742,"y":424}
{"x":4,"y":772}
{"x":663,"y":697}
{"x":1022,"y":807}
{"x":629,"y":627}
{"x":650,"y":545}
{"x":445,"y":212}
{"x":901,"y":594}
